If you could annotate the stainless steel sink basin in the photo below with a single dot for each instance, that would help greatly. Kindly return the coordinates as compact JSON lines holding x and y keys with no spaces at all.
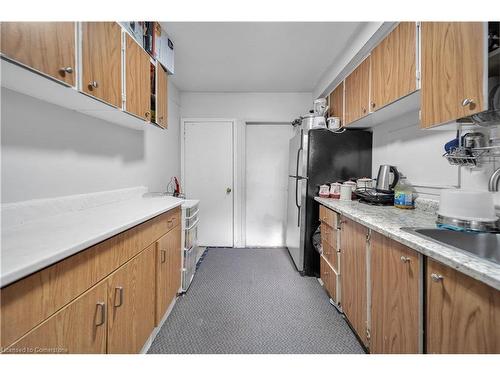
{"x":483,"y":245}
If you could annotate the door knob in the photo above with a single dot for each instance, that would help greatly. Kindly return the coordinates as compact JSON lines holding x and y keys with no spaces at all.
{"x":228,"y":190}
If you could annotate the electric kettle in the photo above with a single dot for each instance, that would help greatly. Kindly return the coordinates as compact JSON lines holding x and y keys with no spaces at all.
{"x":383,"y":178}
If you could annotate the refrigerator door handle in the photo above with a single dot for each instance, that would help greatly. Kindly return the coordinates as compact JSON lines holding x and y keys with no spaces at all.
{"x":298,"y":177}
{"x":297,"y":183}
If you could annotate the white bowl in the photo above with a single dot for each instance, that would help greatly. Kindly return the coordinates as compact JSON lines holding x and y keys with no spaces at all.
{"x":468,"y":205}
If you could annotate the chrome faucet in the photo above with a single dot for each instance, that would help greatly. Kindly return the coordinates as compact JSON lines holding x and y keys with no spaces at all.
{"x":494,"y":180}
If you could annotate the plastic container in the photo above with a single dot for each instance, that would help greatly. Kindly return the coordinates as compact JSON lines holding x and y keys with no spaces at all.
{"x":403,"y":195}
{"x":470,"y":205}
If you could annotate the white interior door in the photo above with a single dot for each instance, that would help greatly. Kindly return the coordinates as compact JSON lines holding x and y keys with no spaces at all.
{"x":266,"y":184}
{"x":208,"y":176}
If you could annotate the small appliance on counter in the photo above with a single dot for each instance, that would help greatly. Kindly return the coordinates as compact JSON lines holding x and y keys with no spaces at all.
{"x":467,"y":210}
{"x":383,"y":193}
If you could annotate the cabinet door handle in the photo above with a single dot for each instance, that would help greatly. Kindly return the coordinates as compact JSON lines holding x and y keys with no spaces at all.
{"x":102,"y":315}
{"x":66,"y":69}
{"x":436,"y":277}
{"x":147,"y":114}
{"x":120,"y":295}
{"x":467,"y":101}
{"x":163,"y":256}
{"x":93,"y":85}
{"x":405,"y":259}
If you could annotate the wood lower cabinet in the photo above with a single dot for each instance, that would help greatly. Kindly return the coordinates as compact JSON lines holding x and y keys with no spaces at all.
{"x":138,"y":79}
{"x":329,"y":278}
{"x":101,"y":61}
{"x":80,"y":327}
{"x":337,"y":103}
{"x":357,"y":92}
{"x":168,"y":270}
{"x":131,"y":296}
{"x":48,"y":47}
{"x":353,"y":238}
{"x":451,"y":71}
{"x":161,"y":96}
{"x":393,"y":66}
{"x":395,"y":297}
{"x":463,"y":314}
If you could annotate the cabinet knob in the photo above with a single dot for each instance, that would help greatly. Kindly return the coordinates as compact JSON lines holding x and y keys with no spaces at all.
{"x":467,"y":102}
{"x":405,"y":259}
{"x":147,"y":114}
{"x":364,"y":110}
{"x":373,"y":104}
{"x":436,"y":277}
{"x":93,"y":85}
{"x":66,"y":69}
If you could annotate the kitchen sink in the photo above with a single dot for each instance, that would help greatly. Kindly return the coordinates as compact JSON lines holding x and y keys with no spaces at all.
{"x":483,"y":245}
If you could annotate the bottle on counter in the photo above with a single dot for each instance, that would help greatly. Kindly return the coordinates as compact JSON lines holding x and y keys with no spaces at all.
{"x":403,"y":194}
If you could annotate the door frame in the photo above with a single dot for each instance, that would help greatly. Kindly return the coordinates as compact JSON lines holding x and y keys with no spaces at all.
{"x":238,"y":136}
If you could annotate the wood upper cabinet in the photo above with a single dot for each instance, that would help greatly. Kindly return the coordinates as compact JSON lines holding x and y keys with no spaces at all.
{"x":357,"y":92}
{"x":168,"y":268}
{"x":101,"y":61}
{"x":353,"y":276}
{"x":337,"y":103}
{"x":393,"y":66}
{"x":161,"y":96}
{"x":48,"y":47}
{"x":131,"y":296}
{"x":394,"y":297}
{"x":452,"y":71}
{"x":80,"y":327}
{"x":463,"y":314}
{"x":138,"y":79}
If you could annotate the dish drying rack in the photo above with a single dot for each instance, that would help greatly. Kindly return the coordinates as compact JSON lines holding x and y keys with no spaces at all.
{"x":472,"y":157}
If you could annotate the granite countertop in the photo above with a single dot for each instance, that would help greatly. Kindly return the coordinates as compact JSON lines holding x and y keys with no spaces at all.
{"x":389,"y":220}
{"x":30,"y":245}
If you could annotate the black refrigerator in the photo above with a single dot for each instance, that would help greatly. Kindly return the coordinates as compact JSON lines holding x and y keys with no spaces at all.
{"x":316,"y":157}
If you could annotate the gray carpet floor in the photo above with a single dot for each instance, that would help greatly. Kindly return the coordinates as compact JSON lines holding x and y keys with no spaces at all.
{"x":253,"y":301}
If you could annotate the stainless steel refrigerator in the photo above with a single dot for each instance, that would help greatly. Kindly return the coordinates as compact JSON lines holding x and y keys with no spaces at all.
{"x":316,"y":157}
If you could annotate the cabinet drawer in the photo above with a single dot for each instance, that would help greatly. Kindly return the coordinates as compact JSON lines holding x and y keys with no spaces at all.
{"x":173,"y":218}
{"x":33,"y":299}
{"x":329,"y":278}
{"x":328,"y":216}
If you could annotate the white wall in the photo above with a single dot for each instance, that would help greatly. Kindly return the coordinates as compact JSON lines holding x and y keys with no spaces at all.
{"x":267,"y":184}
{"x":265,"y":107}
{"x":417,"y":153}
{"x":49,"y":151}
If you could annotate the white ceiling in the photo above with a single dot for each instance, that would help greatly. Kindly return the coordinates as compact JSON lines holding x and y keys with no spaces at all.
{"x":255,"y":56}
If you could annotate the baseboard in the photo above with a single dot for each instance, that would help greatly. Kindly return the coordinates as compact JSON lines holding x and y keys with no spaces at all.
{"x":157,"y":329}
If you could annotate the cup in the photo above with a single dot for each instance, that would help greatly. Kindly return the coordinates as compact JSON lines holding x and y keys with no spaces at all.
{"x":335,"y":190}
{"x":345,"y":192}
{"x":324,"y":191}
{"x":333,"y":123}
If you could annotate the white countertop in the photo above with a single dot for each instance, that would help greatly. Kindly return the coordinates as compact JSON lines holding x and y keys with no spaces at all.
{"x":30,"y":246}
{"x":389,"y":220}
